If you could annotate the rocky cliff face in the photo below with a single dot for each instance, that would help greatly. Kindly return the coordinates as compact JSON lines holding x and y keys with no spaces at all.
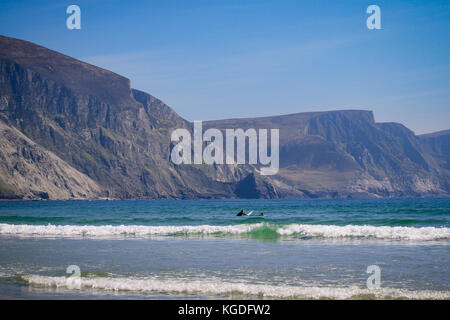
{"x":438,"y":145}
{"x":28,"y":171}
{"x":346,"y":154}
{"x":117,"y":136}
{"x":71,"y":130}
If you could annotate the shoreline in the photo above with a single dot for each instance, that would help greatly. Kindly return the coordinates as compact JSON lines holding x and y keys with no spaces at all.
{"x":223,"y":199}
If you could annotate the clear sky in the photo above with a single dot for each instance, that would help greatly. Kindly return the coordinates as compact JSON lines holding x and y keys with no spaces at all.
{"x":216,"y":59}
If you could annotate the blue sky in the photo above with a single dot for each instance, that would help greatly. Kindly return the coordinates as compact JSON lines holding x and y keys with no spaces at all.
{"x":216,"y":59}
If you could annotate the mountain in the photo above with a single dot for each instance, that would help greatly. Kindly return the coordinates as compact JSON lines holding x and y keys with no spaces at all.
{"x":70,"y":130}
{"x":29,"y":171}
{"x":347,"y":154}
{"x":437,"y":144}
{"x":91,"y":119}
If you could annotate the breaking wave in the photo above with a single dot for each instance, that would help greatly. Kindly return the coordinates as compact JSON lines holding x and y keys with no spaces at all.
{"x":256,"y":230}
{"x":219,"y":287}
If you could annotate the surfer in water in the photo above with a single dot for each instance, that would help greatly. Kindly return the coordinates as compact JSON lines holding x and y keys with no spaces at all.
{"x":242,"y":213}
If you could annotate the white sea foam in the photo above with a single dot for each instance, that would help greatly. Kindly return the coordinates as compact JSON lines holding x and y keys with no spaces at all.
{"x":378,"y":232}
{"x":291,"y":230}
{"x":121,"y":230}
{"x":219,"y":287}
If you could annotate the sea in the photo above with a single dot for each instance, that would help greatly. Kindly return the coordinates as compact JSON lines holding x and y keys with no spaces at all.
{"x":199,"y":249}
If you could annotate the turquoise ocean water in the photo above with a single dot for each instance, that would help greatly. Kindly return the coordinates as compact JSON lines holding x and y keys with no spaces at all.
{"x":300,"y":249}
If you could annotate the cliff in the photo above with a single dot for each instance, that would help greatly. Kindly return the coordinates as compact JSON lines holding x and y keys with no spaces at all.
{"x":70,"y":130}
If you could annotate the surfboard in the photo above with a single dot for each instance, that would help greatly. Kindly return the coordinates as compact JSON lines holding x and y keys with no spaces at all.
{"x":247,"y":214}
